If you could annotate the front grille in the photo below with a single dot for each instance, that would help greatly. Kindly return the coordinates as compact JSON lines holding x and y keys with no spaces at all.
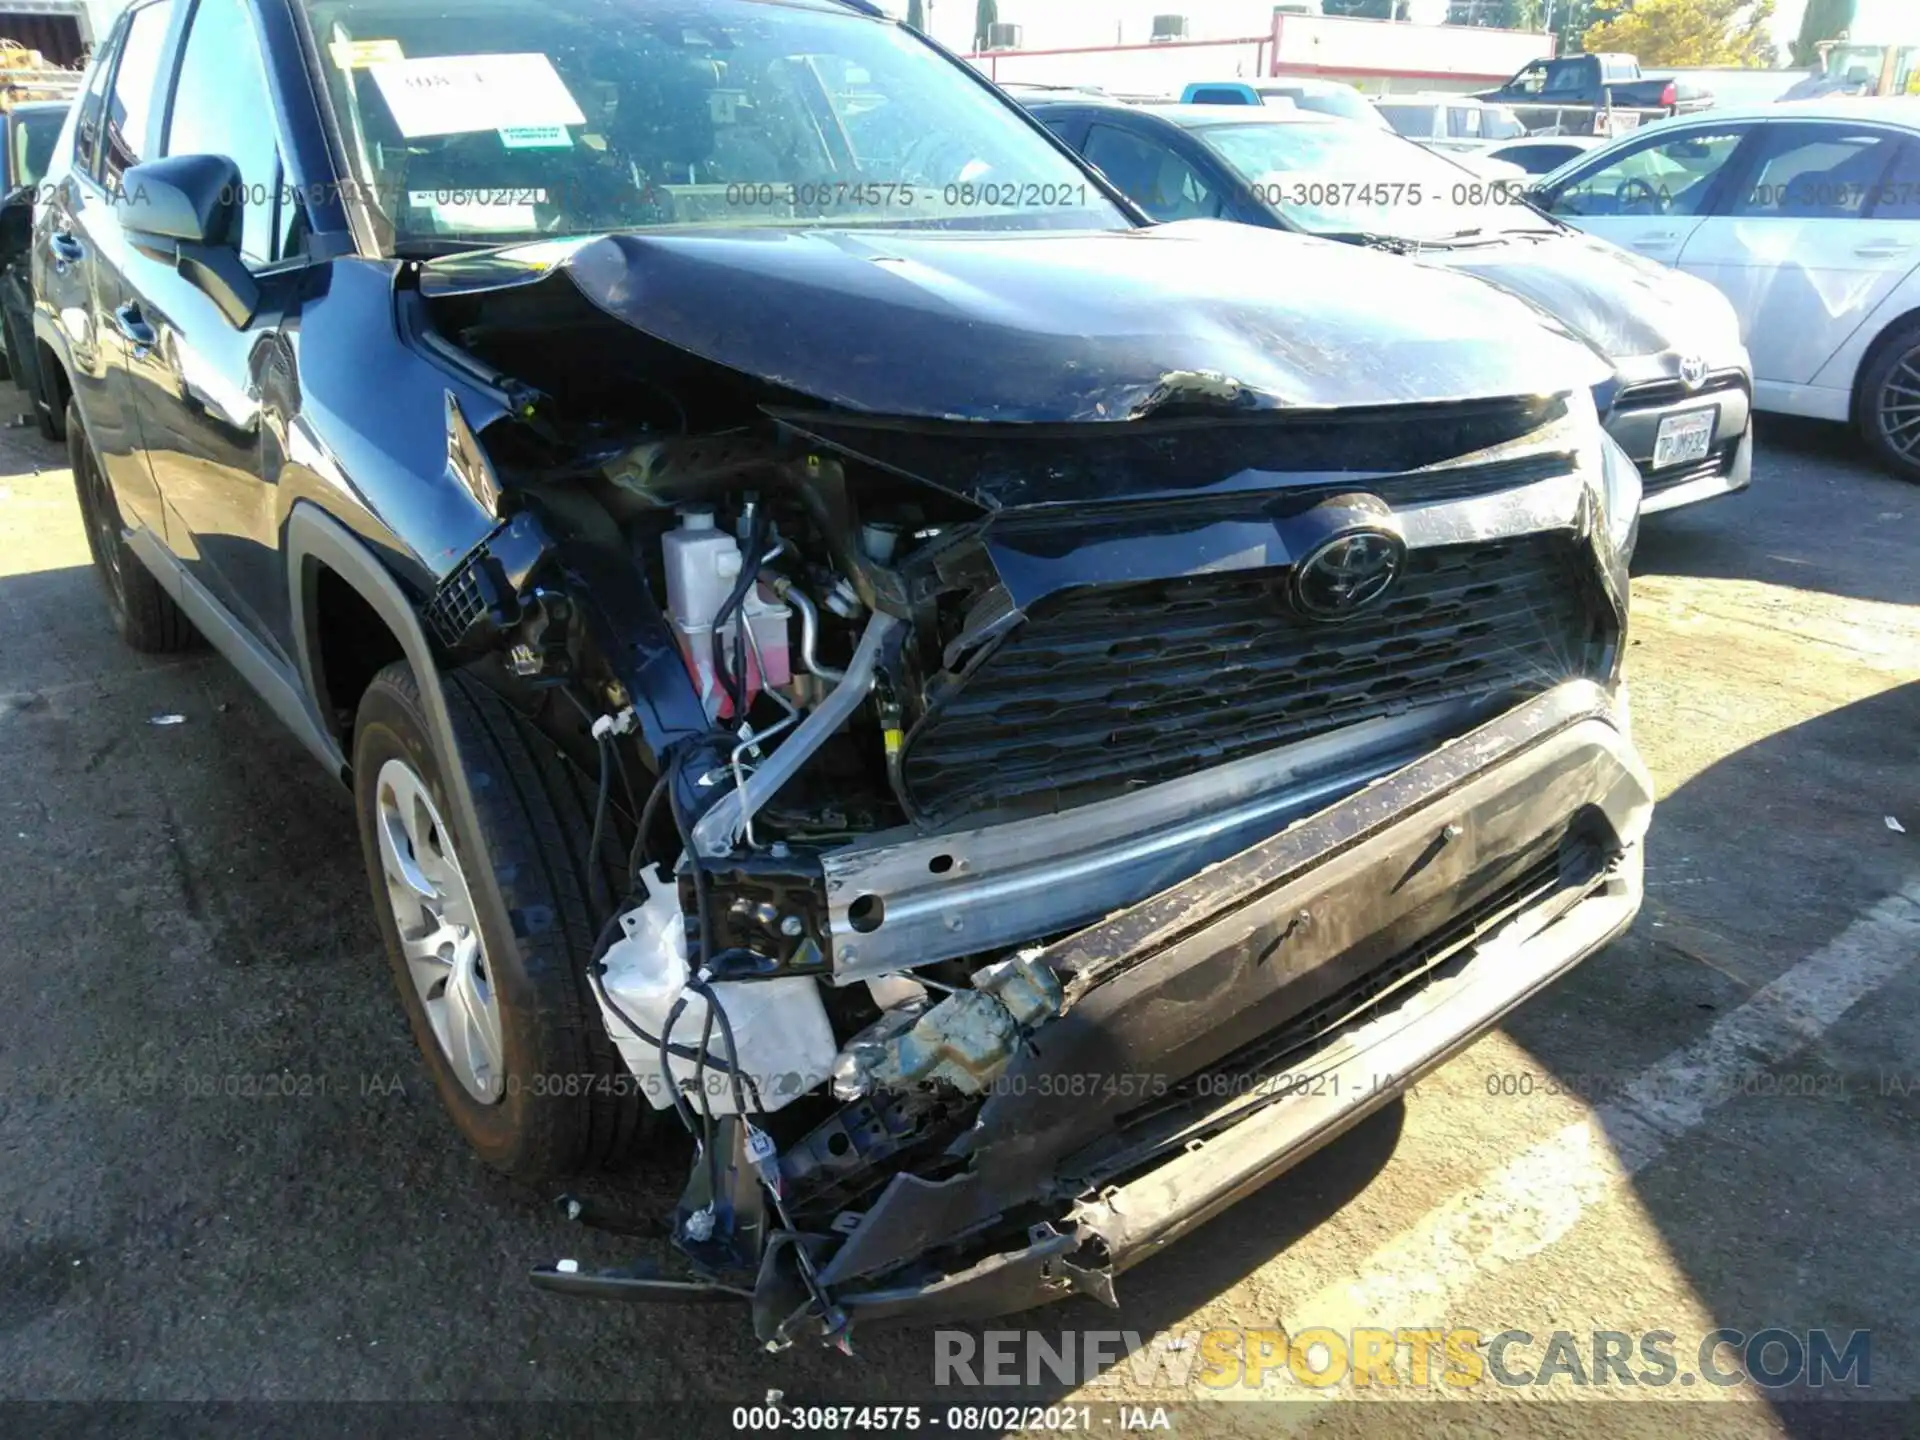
{"x":457,"y":607}
{"x":1660,"y":393}
{"x":1112,"y":687}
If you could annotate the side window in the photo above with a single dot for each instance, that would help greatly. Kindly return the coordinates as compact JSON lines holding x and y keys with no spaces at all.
{"x":222,"y":106}
{"x":1567,"y":80}
{"x":1899,"y":197}
{"x":1154,"y":178}
{"x":1814,"y":172}
{"x":1463,"y":122}
{"x":136,"y":84}
{"x":1532,"y":80}
{"x":93,"y":104}
{"x":1670,"y":176}
{"x":1218,"y":95}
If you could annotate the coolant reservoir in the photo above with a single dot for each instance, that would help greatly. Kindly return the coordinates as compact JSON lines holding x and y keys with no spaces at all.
{"x":780,"y":1026}
{"x":703,"y":565}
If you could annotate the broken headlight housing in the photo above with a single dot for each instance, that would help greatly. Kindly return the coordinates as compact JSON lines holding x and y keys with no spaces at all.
{"x":1622,"y":491}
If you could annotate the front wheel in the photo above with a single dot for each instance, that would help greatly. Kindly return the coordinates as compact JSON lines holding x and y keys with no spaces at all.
{"x":1889,"y":410}
{"x":503,"y":1014}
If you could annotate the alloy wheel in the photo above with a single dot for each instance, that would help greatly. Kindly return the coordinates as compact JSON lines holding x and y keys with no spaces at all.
{"x":1899,"y":414}
{"x":439,"y":930}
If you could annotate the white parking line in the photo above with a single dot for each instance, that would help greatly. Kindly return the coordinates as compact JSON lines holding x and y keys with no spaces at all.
{"x":1523,"y":1208}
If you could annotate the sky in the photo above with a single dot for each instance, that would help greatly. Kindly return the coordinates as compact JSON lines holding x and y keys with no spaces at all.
{"x":1786,"y":22}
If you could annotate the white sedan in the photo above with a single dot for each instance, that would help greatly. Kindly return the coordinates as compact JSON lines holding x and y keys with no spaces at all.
{"x":1807,"y":216}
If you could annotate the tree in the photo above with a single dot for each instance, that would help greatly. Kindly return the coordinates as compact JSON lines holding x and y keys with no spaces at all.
{"x":1569,"y":20}
{"x":917,"y":15}
{"x":986,"y":15}
{"x":1499,"y":14}
{"x":1824,"y":20}
{"x":1666,"y":33}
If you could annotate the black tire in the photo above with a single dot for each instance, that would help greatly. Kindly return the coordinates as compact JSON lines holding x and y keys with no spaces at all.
{"x":569,"y":1105}
{"x":143,"y":613}
{"x":1890,"y":382}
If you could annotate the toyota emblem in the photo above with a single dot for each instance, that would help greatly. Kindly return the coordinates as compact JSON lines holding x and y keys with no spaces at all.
{"x":1350,"y":573}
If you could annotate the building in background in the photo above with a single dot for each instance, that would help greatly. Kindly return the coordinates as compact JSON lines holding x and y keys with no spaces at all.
{"x":62,"y":31}
{"x":1158,"y":47}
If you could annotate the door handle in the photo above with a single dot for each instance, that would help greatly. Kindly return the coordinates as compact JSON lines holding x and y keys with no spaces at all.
{"x":1656,"y":242}
{"x":132,"y":324}
{"x":1881,"y":250}
{"x":65,"y":247}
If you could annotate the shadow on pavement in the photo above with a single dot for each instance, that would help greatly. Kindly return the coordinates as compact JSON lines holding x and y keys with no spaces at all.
{"x":1774,"y":1210}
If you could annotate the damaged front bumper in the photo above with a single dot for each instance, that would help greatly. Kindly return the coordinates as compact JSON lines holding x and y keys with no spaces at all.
{"x":1217,"y":1034}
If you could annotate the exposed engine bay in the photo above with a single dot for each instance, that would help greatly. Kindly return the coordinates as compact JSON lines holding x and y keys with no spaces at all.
{"x":879,"y":712}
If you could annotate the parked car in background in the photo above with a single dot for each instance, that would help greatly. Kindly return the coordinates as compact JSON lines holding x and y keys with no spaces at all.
{"x":1593,"y":95}
{"x":794,"y":623}
{"x":1678,"y":397}
{"x":1462,"y":128}
{"x":27,"y":136}
{"x":1807,"y":216}
{"x":1459,"y":121}
{"x":1543,"y":154}
{"x":1325,"y":97}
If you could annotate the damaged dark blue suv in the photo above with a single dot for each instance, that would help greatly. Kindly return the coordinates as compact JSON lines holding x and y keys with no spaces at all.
{"x":1012,"y":723}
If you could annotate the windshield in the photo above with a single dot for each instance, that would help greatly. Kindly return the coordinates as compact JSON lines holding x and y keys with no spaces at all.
{"x":482,"y":122}
{"x":1343,"y":180}
{"x":34,"y":134}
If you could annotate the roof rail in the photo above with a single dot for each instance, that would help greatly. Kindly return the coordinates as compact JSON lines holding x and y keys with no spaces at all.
{"x":865,"y":7}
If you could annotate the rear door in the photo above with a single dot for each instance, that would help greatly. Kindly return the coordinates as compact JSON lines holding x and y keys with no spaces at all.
{"x":201,"y":378}
{"x":1822,"y":227}
{"x":86,"y":249}
{"x":1651,"y":193}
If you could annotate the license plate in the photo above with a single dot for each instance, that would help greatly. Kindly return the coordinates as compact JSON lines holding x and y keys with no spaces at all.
{"x":1684,"y":438}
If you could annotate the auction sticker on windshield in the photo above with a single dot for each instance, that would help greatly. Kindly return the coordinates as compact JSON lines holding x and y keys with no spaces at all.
{"x":1684,"y":438}
{"x":464,"y":94}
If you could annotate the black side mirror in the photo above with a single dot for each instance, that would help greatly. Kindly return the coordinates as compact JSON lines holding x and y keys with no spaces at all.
{"x":186,"y":210}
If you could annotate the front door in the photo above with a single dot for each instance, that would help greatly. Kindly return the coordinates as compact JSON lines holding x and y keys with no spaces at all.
{"x":200,"y":377}
{"x":1650,"y":195}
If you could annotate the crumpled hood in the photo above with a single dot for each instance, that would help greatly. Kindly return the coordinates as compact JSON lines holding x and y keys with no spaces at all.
{"x":1623,"y":305}
{"x":1058,"y":327}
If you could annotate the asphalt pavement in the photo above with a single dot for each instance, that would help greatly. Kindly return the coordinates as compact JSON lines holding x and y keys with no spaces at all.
{"x":224,"y":1175}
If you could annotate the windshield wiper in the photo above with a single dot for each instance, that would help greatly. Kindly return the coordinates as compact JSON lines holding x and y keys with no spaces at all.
{"x":1398,"y":244}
